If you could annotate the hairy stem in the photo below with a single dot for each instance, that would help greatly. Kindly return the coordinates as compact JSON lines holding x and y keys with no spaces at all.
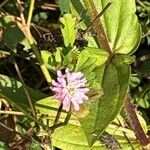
{"x":98,"y":27}
{"x":131,"y":117}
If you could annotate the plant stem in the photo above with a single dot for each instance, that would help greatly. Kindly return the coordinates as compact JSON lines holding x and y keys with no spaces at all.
{"x":32,"y":2}
{"x":56,"y":118}
{"x":131,"y":117}
{"x":20,"y":8}
{"x":3,"y":3}
{"x":33,"y":45}
{"x":97,"y":17}
{"x":98,"y":27}
{"x":37,"y":54}
{"x":25,"y":88}
{"x":19,"y":113}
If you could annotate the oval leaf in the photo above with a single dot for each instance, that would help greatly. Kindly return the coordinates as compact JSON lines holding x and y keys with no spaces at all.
{"x":121,"y":25}
{"x":115,"y":85}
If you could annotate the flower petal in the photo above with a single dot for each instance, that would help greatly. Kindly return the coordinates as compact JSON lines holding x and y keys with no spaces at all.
{"x":70,"y":89}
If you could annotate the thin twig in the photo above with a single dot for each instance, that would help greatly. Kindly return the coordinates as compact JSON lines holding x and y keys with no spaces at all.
{"x":24,"y":87}
{"x":97,"y":17}
{"x":3,"y":3}
{"x":40,"y":27}
{"x":57,"y":117}
{"x":18,"y":113}
{"x":11,"y":112}
{"x":6,"y":127}
{"x":125,"y":135}
{"x":20,"y":8}
{"x":58,"y":114}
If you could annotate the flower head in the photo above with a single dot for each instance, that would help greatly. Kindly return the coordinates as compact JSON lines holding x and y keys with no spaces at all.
{"x":70,"y":89}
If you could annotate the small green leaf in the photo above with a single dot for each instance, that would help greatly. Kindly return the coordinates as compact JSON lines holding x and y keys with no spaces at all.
{"x":78,"y":10}
{"x":97,"y":56}
{"x":3,"y":146}
{"x":12,"y":34}
{"x":47,"y":58}
{"x":91,"y":61}
{"x":70,"y":57}
{"x":40,"y":16}
{"x":134,"y":81}
{"x":68,"y":29}
{"x":5,"y":22}
{"x":58,"y":55}
{"x":142,"y":97}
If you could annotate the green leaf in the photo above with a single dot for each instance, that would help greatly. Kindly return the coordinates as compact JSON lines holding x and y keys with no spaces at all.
{"x":13,"y":89}
{"x":119,"y":21}
{"x":134,"y":81}
{"x":40,"y":16}
{"x":91,"y":61}
{"x":78,"y":10}
{"x":70,"y":58}
{"x":48,"y":106}
{"x":64,"y":6}
{"x":57,"y":54}
{"x":47,"y":58}
{"x":68,"y":29}
{"x":3,"y":146}
{"x":5,"y":22}
{"x":51,"y":60}
{"x":73,"y":136}
{"x":13,"y":36}
{"x":97,"y":56}
{"x":121,"y":25}
{"x":115,"y":85}
{"x":13,"y":92}
{"x":142,"y":97}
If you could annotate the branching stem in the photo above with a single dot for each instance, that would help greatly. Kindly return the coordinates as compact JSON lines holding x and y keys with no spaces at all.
{"x":25,"y":27}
